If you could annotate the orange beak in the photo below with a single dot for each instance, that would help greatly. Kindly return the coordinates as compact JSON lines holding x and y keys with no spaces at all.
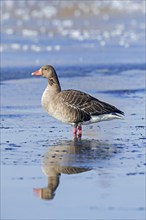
{"x":38,"y":192}
{"x":37,"y":73}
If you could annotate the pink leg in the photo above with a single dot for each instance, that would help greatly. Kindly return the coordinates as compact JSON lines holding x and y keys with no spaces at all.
{"x":79,"y":131}
{"x":75,"y":131}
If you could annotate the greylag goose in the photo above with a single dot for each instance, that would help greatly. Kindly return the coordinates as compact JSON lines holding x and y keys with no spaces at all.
{"x":71,"y":106}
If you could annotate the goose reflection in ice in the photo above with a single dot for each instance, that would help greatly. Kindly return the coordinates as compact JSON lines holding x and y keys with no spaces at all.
{"x":71,"y":157}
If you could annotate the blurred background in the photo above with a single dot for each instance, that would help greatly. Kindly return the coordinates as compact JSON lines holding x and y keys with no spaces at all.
{"x":97,"y":47}
{"x":34,"y":33}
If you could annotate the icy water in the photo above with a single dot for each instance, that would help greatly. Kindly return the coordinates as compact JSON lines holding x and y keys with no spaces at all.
{"x":45,"y":172}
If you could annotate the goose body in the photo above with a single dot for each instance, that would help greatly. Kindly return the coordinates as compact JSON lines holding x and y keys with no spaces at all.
{"x":72,"y":106}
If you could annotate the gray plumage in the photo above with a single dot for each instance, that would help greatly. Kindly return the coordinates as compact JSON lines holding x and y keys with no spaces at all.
{"x":72,"y":106}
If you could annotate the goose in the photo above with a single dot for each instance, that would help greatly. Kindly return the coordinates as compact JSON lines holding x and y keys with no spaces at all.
{"x":73,"y":107}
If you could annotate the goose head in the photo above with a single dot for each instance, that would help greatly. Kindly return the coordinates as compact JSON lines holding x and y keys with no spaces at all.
{"x":49,"y":72}
{"x":46,"y":71}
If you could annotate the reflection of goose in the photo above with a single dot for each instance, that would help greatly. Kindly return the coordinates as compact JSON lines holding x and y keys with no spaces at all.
{"x":71,"y":157}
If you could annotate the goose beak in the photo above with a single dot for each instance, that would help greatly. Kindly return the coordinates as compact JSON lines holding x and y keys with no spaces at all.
{"x":38,"y":192}
{"x":37,"y":73}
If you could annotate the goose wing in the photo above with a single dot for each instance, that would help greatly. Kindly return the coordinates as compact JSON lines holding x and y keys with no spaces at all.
{"x":86,"y":105}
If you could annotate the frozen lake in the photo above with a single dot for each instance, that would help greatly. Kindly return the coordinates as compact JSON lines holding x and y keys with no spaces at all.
{"x":97,"y":47}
